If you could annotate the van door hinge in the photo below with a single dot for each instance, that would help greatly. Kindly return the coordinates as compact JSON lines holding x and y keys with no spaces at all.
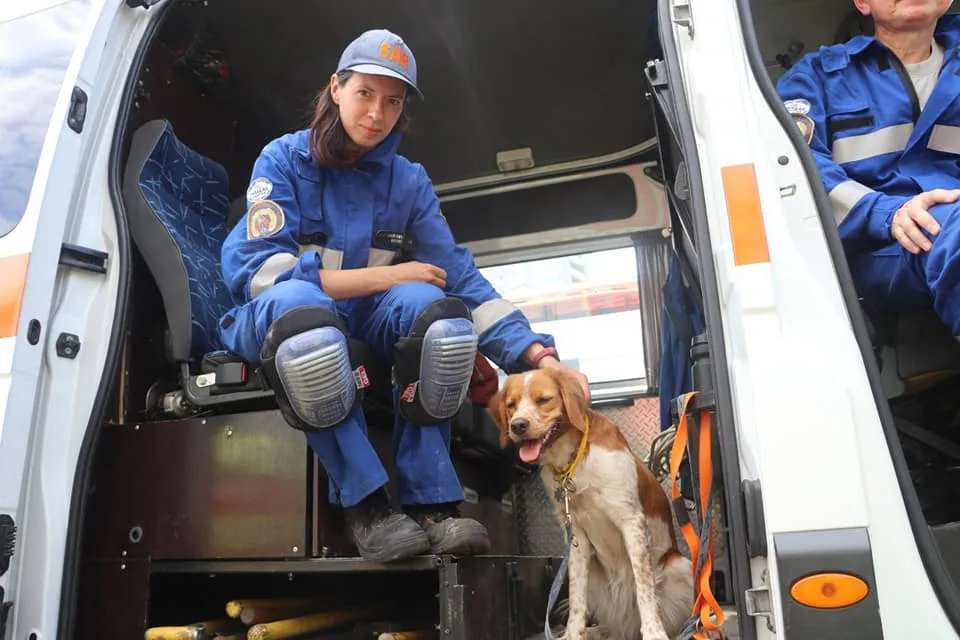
{"x":5,"y":608}
{"x":757,"y":602}
{"x":84,"y":258}
{"x":681,"y":15}
{"x":8,"y":540}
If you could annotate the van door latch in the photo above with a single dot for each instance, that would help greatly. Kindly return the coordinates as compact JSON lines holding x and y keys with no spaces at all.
{"x":681,"y":15}
{"x":77,"y":114}
{"x":85,"y":258}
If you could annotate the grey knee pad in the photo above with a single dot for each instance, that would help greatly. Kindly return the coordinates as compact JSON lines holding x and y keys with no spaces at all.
{"x":433,"y":366}
{"x":307,"y":358}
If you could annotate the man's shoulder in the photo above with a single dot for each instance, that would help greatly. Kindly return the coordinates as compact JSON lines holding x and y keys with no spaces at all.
{"x":948,"y":29}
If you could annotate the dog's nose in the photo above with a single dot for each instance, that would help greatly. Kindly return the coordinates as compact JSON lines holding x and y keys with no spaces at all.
{"x":520,"y":426}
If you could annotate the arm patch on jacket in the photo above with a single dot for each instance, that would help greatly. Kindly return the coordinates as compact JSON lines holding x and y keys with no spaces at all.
{"x":259,"y":190}
{"x":805,"y":124}
{"x":798,"y":108}
{"x":264,"y":219}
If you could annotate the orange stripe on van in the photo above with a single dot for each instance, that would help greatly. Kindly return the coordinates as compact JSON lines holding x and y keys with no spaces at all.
{"x":13,"y":278}
{"x":744,"y":214}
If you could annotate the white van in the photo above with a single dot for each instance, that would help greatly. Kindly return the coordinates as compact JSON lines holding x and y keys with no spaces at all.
{"x":147,"y":480}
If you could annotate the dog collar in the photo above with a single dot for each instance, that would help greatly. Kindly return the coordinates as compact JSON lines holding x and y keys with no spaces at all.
{"x":565,"y":476}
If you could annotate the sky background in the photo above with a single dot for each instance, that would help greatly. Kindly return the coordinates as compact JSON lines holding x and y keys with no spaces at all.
{"x":35,"y":49}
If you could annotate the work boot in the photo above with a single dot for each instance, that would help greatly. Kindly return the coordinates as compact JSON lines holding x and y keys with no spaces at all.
{"x":449,"y":533}
{"x":380,"y":534}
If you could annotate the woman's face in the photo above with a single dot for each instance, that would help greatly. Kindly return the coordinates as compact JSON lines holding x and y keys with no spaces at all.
{"x":369,"y":106}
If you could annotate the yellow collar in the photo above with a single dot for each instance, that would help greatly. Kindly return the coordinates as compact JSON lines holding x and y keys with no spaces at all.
{"x":565,"y":475}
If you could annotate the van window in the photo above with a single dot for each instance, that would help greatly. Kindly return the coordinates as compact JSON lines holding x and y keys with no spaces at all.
{"x":36,"y":43}
{"x":590,"y":302}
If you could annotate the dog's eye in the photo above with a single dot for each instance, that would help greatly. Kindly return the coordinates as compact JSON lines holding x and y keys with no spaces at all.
{"x":544,"y":399}
{"x":511,"y":405}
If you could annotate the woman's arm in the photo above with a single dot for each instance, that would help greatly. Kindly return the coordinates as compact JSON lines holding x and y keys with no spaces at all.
{"x":355,"y":283}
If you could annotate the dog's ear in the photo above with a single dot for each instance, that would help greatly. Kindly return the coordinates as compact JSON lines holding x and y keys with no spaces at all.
{"x":497,"y":409}
{"x":574,"y":400}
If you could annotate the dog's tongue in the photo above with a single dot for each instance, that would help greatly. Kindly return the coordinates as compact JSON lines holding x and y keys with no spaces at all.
{"x":530,"y":450}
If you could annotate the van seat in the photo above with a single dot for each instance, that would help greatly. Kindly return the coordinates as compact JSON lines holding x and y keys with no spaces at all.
{"x":177,"y":203}
{"x":915,"y":349}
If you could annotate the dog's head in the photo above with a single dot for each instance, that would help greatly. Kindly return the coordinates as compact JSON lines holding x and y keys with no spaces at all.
{"x":535,"y":408}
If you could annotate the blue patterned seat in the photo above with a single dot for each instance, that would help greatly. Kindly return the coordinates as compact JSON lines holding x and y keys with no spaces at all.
{"x":177,"y":204}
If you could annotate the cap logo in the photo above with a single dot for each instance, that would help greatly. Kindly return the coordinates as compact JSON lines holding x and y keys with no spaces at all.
{"x":395,"y":53}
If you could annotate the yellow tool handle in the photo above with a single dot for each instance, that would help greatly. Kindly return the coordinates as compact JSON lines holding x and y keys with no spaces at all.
{"x":173,"y":633}
{"x":283,"y":629}
{"x":258,"y":615}
{"x":196,"y":631}
{"x":235,"y":607}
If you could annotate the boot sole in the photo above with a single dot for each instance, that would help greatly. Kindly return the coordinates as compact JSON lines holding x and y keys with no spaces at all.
{"x":414,"y":545}
{"x":462,"y":539}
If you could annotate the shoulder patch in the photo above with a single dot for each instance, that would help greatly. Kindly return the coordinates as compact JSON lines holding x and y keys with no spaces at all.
{"x":798,"y":106}
{"x":264,"y":219}
{"x":259,"y":190}
{"x":805,"y":124}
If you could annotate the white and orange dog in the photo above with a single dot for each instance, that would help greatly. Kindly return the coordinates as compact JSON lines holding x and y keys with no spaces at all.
{"x":625,"y":569}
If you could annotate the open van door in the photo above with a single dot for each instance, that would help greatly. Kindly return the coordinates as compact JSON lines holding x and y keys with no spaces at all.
{"x":63,"y":260}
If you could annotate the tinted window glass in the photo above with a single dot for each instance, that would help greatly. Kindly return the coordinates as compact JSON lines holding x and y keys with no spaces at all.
{"x":35,"y":49}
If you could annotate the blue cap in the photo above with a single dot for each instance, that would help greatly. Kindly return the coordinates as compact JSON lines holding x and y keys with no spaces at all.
{"x":382,"y":53}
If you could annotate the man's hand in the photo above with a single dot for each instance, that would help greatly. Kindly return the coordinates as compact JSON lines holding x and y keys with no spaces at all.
{"x":913,"y":218}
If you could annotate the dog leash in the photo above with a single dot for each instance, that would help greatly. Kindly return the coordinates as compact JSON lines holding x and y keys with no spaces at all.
{"x":565,"y":487}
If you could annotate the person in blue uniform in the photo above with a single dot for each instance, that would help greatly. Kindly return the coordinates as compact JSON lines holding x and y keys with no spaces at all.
{"x":344,"y":237}
{"x":882,"y":117}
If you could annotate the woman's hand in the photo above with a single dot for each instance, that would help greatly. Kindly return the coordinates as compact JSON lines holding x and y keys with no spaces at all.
{"x":417,"y":272}
{"x":549,"y":362}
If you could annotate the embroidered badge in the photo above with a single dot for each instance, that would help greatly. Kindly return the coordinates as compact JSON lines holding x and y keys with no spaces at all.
{"x":805,"y":124}
{"x":259,"y":190}
{"x":264,"y":219}
{"x":797,"y":106}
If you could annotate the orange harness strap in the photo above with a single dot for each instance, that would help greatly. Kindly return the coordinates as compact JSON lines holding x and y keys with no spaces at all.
{"x":706,"y":606}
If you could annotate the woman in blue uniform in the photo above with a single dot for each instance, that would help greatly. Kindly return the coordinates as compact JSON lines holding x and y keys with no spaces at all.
{"x":331,"y":210}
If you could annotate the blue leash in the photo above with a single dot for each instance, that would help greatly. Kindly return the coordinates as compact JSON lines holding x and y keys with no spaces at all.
{"x":558,"y":582}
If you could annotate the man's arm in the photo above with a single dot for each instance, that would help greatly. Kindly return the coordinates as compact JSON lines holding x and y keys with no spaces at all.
{"x":859,"y":211}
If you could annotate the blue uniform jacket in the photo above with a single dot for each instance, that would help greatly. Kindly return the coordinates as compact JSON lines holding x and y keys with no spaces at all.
{"x":859,"y":112}
{"x":382,"y":210}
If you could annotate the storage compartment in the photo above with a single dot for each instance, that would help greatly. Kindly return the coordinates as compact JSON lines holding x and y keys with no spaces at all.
{"x":233,"y":486}
{"x":482,"y":598}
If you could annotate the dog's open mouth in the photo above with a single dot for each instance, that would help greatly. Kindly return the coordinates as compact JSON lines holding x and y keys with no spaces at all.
{"x":530,"y":450}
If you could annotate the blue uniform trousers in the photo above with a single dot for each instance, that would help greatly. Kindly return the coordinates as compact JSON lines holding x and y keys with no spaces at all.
{"x":425,"y":473}
{"x":893,"y":279}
